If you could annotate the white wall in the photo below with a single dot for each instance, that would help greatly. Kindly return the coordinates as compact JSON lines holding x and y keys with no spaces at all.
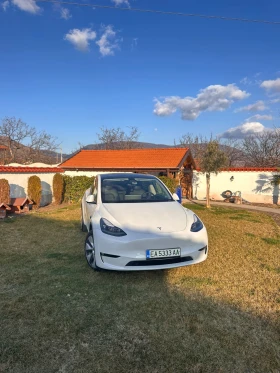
{"x":254,"y":186}
{"x":18,"y":185}
{"x":88,"y":173}
{"x":82,"y":173}
{"x":37,"y":164}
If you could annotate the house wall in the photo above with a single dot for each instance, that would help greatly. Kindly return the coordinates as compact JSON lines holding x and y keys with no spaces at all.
{"x":255,"y":186}
{"x":94,"y":173}
{"x":37,"y":164}
{"x":18,"y":185}
{"x":83,"y":173}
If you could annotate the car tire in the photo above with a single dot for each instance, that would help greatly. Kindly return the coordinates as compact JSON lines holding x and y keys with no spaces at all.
{"x":90,"y":252}
{"x":227,"y":194}
{"x":83,"y":226}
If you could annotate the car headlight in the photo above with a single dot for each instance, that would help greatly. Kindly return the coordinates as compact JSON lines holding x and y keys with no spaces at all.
{"x":197,"y":224}
{"x":109,"y":228}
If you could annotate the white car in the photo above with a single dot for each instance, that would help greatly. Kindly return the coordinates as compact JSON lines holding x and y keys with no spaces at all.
{"x":134,"y":223}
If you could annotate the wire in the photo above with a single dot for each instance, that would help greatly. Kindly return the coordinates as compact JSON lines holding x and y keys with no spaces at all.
{"x":162,"y":12}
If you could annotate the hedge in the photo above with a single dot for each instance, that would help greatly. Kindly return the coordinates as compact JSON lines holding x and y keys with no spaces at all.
{"x":58,"y":188}
{"x":4,"y":191}
{"x":34,"y":190}
{"x":75,"y":187}
{"x":170,"y":183}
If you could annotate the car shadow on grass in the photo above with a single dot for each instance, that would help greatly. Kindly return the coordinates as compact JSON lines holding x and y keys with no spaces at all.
{"x":58,"y":315}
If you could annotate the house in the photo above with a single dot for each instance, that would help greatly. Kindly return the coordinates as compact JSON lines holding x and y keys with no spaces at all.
{"x":19,"y":205}
{"x":172,"y":162}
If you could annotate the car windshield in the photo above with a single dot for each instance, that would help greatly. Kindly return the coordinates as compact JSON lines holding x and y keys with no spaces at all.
{"x":133,"y":189}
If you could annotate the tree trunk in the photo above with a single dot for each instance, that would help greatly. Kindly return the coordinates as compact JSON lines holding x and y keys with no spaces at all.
{"x":207,"y":190}
{"x":10,"y":150}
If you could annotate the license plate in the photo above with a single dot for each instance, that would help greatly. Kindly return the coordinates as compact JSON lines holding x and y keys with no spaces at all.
{"x":164,"y":253}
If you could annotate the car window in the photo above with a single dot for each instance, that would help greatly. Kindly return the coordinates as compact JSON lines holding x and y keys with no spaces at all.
{"x":133,"y":190}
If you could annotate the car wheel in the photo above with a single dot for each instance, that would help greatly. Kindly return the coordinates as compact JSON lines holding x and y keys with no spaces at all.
{"x":90,"y":251}
{"x":83,"y":226}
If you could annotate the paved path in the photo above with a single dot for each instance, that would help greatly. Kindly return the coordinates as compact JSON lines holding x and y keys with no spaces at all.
{"x":235,"y":205}
{"x":273,"y":212}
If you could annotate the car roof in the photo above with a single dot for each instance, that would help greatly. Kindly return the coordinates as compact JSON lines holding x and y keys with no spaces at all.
{"x":125,"y":174}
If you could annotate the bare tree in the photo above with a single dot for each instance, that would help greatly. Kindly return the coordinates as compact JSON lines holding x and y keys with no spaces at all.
{"x":25,"y":143}
{"x":233,"y":150}
{"x":117,"y":138}
{"x":14,"y":131}
{"x":198,"y":144}
{"x":263,"y":150}
{"x":40,"y":144}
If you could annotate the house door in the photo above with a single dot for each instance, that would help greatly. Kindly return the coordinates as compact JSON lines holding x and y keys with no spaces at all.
{"x":186,"y":179}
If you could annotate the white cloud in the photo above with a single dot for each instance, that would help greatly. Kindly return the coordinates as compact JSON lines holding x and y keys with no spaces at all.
{"x":251,"y":81}
{"x":134,"y":44}
{"x":27,"y":5}
{"x":65,"y":13}
{"x":81,"y":38}
{"x":5,"y":5}
{"x":244,"y":130}
{"x":275,"y":101}
{"x":257,"y":106}
{"x":212,"y":98}
{"x":108,"y":42}
{"x":258,"y":117}
{"x":271,"y":85}
{"x":121,"y":2}
{"x":246,"y":81}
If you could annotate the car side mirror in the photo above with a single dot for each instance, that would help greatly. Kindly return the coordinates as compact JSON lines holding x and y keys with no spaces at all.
{"x":175,"y":197}
{"x":91,"y":199}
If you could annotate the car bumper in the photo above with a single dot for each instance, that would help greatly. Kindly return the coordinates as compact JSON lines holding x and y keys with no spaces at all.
{"x":129,"y":253}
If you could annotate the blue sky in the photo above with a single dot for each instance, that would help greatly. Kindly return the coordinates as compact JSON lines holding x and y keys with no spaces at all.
{"x":71,"y":70}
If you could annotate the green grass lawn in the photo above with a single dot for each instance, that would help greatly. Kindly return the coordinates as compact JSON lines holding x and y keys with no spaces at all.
{"x":57,"y":315}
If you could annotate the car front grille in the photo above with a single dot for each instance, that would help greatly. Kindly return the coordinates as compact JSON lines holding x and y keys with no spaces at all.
{"x":159,"y":262}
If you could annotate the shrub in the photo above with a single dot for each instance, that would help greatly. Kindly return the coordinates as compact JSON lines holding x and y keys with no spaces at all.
{"x":170,"y":183}
{"x":34,"y":190}
{"x":58,"y":188}
{"x":4,"y":191}
{"x":74,"y":187}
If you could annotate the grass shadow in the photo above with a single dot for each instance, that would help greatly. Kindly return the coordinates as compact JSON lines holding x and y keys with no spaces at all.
{"x":58,"y":315}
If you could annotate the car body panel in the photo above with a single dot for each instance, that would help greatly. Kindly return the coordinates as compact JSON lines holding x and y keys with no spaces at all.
{"x":149,"y":216}
{"x":148,"y":226}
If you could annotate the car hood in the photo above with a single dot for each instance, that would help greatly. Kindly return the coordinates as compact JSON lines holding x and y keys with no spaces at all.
{"x":165,"y":217}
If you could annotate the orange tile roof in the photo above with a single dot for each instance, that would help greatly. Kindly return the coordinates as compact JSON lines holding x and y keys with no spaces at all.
{"x":32,"y":170}
{"x":5,"y":206}
{"x":127,"y":159}
{"x":20,"y":201}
